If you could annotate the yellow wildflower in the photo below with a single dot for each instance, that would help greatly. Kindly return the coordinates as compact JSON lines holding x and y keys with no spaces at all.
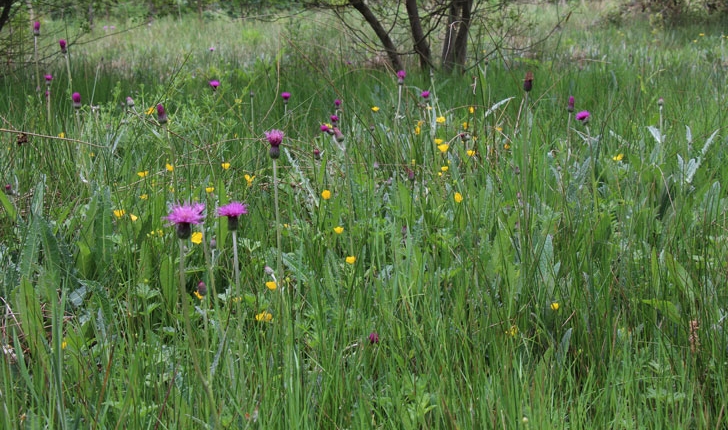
{"x":498,"y":129}
{"x":438,"y":141}
{"x":196,"y":238}
{"x":225,"y":165}
{"x":209,"y":189}
{"x":375,"y":108}
{"x":554,"y":306}
{"x":471,"y":109}
{"x":440,"y":120}
{"x":119,"y":213}
{"x":471,"y":153}
{"x":618,"y":157}
{"x":338,"y":229}
{"x":133,"y":217}
{"x":506,"y":146}
{"x":417,"y":130}
{"x":458,"y":197}
{"x":264,"y":316}
{"x":249,"y":179}
{"x":350,"y":259}
{"x":149,"y":111}
{"x":144,"y":197}
{"x":465,"y":125}
{"x":198,"y":295}
{"x":64,"y":344}
{"x":169,"y":167}
{"x":443,"y":147}
{"x":62,"y":135}
{"x":271,"y":285}
{"x":325,"y":194}
{"x":143,"y":173}
{"x":444,"y":168}
{"x":512,"y":331}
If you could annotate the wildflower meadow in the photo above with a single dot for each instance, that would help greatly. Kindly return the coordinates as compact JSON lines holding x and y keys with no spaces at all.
{"x":225,"y":224}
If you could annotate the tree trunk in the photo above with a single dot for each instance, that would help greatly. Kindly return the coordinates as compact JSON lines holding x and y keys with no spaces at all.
{"x":455,"y":48}
{"x":380,"y":31}
{"x":6,"y":5}
{"x":418,"y":35}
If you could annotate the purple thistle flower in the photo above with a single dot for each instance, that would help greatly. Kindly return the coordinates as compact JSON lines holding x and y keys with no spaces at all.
{"x":528,"y":81}
{"x":161,"y":114}
{"x":232,"y":211}
{"x":583,"y":116}
{"x":338,"y":135}
{"x":317,"y":153}
{"x":48,"y":78}
{"x":337,"y":103}
{"x":275,"y":137}
{"x":214,"y":84}
{"x":202,"y":289}
{"x":400,"y":76}
{"x":36,"y":28}
{"x":62,"y":43}
{"x":425,"y":94}
{"x":325,"y":128}
{"x":570,"y":106}
{"x":130,"y":102}
{"x":182,"y":216}
{"x":334,"y":118}
{"x":285,"y":96}
{"x":212,"y":49}
{"x":373,"y":337}
{"x":76,"y":97}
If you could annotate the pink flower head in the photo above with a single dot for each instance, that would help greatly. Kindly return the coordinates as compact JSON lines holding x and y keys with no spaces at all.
{"x":232,"y":211}
{"x":161,"y":114}
{"x":570,"y":106}
{"x":285,"y":96}
{"x":201,"y":288}
{"x":337,"y":103}
{"x":583,"y":116}
{"x":334,"y":118}
{"x":373,"y":337}
{"x":425,"y":94}
{"x":48,"y":78}
{"x":183,"y":216}
{"x":76,"y":97}
{"x":275,"y":137}
{"x":400,"y":76}
{"x":62,"y":43}
{"x":130,"y":102}
{"x":214,"y":84}
{"x":325,"y":128}
{"x":212,"y":49}
{"x":36,"y":28}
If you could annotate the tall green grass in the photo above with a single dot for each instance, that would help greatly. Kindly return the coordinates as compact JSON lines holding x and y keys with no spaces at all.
{"x":578,"y":282}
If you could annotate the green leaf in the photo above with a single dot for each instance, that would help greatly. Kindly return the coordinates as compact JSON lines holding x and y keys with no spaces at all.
{"x":666,"y":307}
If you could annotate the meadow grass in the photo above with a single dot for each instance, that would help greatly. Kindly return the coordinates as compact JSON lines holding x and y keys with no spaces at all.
{"x":482,"y":260}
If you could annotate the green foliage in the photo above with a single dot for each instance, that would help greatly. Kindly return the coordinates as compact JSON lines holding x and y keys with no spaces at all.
{"x":517,"y":267}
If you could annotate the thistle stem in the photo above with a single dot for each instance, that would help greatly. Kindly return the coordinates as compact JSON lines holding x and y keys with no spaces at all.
{"x":278,"y":222}
{"x":236,"y":264}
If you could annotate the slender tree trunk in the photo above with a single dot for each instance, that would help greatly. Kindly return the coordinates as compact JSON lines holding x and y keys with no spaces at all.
{"x":455,"y":49}
{"x":380,"y":31}
{"x":421,"y":46}
{"x":6,"y":5}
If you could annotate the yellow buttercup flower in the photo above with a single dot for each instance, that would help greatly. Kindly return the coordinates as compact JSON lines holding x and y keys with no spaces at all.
{"x":133,"y":217}
{"x":375,"y":108}
{"x":338,"y":229}
{"x":143,"y":174}
{"x":417,"y":130}
{"x":62,"y":135}
{"x":249,"y":179}
{"x":225,"y":165}
{"x":458,"y":197}
{"x":350,"y":259}
{"x":119,"y":213}
{"x":264,"y":316}
{"x":618,"y":157}
{"x":512,"y":331}
{"x":444,"y":168}
{"x":438,"y":141}
{"x":198,"y":295}
{"x":271,"y":285}
{"x":506,"y":146}
{"x":196,"y":238}
{"x":144,"y":196}
{"x":443,"y":147}
{"x":149,"y":111}
{"x":499,"y":129}
{"x":440,"y":120}
{"x":555,"y":306}
{"x":465,"y":125}
{"x":209,"y":189}
{"x":325,"y":194}
{"x":169,"y":167}
{"x":471,"y":152}
{"x":471,"y":109}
